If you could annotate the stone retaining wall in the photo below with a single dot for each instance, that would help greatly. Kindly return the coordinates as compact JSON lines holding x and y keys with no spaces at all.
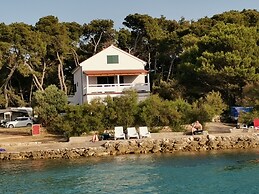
{"x":143,"y":146}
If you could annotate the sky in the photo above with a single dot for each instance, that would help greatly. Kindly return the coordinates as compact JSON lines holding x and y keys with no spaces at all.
{"x":84,"y":11}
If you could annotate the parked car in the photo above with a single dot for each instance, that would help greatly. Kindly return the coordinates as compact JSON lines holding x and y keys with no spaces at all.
{"x":20,"y":122}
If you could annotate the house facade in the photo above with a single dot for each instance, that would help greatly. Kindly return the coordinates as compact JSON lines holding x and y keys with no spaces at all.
{"x":109,"y":72}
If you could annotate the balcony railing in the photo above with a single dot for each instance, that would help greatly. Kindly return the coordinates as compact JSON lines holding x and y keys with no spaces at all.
{"x":116,"y":88}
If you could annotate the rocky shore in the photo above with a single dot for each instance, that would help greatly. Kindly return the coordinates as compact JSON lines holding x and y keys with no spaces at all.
{"x":140,"y":146}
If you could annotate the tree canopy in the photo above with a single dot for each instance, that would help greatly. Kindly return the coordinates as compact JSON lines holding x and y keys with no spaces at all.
{"x":186,"y":59}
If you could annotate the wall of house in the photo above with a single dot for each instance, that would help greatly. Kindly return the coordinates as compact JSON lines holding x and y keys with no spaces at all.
{"x":78,"y":81}
{"x":129,"y":79}
{"x":99,"y":61}
{"x":134,"y":79}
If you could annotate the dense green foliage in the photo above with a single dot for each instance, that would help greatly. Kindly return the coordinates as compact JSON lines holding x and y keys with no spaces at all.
{"x":126,"y":111}
{"x":250,"y":99}
{"x":186,"y":59}
{"x":192,"y":65}
{"x":49,"y":104}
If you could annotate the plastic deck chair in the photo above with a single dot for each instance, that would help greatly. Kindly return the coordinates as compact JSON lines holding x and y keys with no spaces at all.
{"x":132,"y":132}
{"x":118,"y":133}
{"x":143,"y":132}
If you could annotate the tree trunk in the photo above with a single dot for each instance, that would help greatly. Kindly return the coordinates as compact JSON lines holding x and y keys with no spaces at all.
{"x":171,"y":67}
{"x":61,"y":76}
{"x":129,"y":49}
{"x":35,"y":78}
{"x":43,"y":74}
{"x":21,"y":90}
{"x":7,"y":80}
{"x":96,"y":44}
{"x":31,"y":91}
{"x":6,"y":96}
{"x":155,"y":65}
{"x":75,"y":56}
{"x":135,"y":43}
{"x":63,"y":79}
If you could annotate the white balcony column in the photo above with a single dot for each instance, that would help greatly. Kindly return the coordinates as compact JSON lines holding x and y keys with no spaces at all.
{"x":148,"y":81}
{"x":118,"y":82}
{"x":118,"y":79}
{"x":87,"y":83}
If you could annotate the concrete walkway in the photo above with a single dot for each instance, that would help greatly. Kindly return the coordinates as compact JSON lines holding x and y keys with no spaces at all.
{"x":16,"y":140}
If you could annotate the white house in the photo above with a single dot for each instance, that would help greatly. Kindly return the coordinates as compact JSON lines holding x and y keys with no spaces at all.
{"x":109,"y":72}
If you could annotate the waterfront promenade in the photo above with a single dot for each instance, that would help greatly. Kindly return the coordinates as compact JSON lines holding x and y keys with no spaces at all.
{"x":219,"y":137}
{"x":19,"y":140}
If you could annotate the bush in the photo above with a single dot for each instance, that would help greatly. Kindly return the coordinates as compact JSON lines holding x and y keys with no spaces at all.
{"x":79,"y":119}
{"x":207,"y":108}
{"x":126,"y":108}
{"x":149,"y":111}
{"x":251,"y":95}
{"x":248,"y":117}
{"x":213,"y":104}
{"x":110,"y":115}
{"x":100,"y":115}
{"x":126,"y":111}
{"x":96,"y":115}
{"x":75,"y":120}
{"x":48,"y":104}
{"x":180,"y":111}
{"x":155,"y":112}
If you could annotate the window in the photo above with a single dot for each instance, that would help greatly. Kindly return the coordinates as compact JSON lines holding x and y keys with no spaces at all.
{"x":105,"y":80}
{"x":121,"y":80}
{"x":146,"y":79}
{"x":22,"y":118}
{"x":112,"y":59}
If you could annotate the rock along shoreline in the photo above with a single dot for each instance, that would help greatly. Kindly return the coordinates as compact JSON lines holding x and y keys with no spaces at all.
{"x":142,"y":146}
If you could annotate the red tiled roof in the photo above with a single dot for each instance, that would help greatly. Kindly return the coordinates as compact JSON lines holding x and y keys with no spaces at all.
{"x":116,"y":72}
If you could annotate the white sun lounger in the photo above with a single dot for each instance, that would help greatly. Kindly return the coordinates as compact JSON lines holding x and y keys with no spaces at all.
{"x":132,"y":132}
{"x":118,"y":133}
{"x":143,"y":132}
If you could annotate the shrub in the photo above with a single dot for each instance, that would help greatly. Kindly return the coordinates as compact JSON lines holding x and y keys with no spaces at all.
{"x":248,"y":117}
{"x":96,"y":115}
{"x":251,"y":95}
{"x":74,"y":120}
{"x":85,"y":118}
{"x":206,"y":108}
{"x":48,"y":104}
{"x":179,"y":111}
{"x":213,"y":104}
{"x":149,"y":111}
{"x":126,"y":108}
{"x":126,"y":111}
{"x":110,"y":115}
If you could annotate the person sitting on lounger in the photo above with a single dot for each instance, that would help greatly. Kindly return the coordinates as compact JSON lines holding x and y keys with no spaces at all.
{"x":196,"y":126}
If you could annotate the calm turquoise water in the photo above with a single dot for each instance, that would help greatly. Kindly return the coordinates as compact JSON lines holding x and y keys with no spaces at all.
{"x":226,"y":173}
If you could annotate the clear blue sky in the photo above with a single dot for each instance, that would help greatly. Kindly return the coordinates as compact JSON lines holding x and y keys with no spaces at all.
{"x":84,"y":11}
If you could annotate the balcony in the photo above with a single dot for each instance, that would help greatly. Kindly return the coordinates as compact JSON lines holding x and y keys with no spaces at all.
{"x":115,"y":88}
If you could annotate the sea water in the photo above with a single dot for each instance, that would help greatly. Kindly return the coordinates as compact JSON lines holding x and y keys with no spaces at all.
{"x":210,"y":172}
